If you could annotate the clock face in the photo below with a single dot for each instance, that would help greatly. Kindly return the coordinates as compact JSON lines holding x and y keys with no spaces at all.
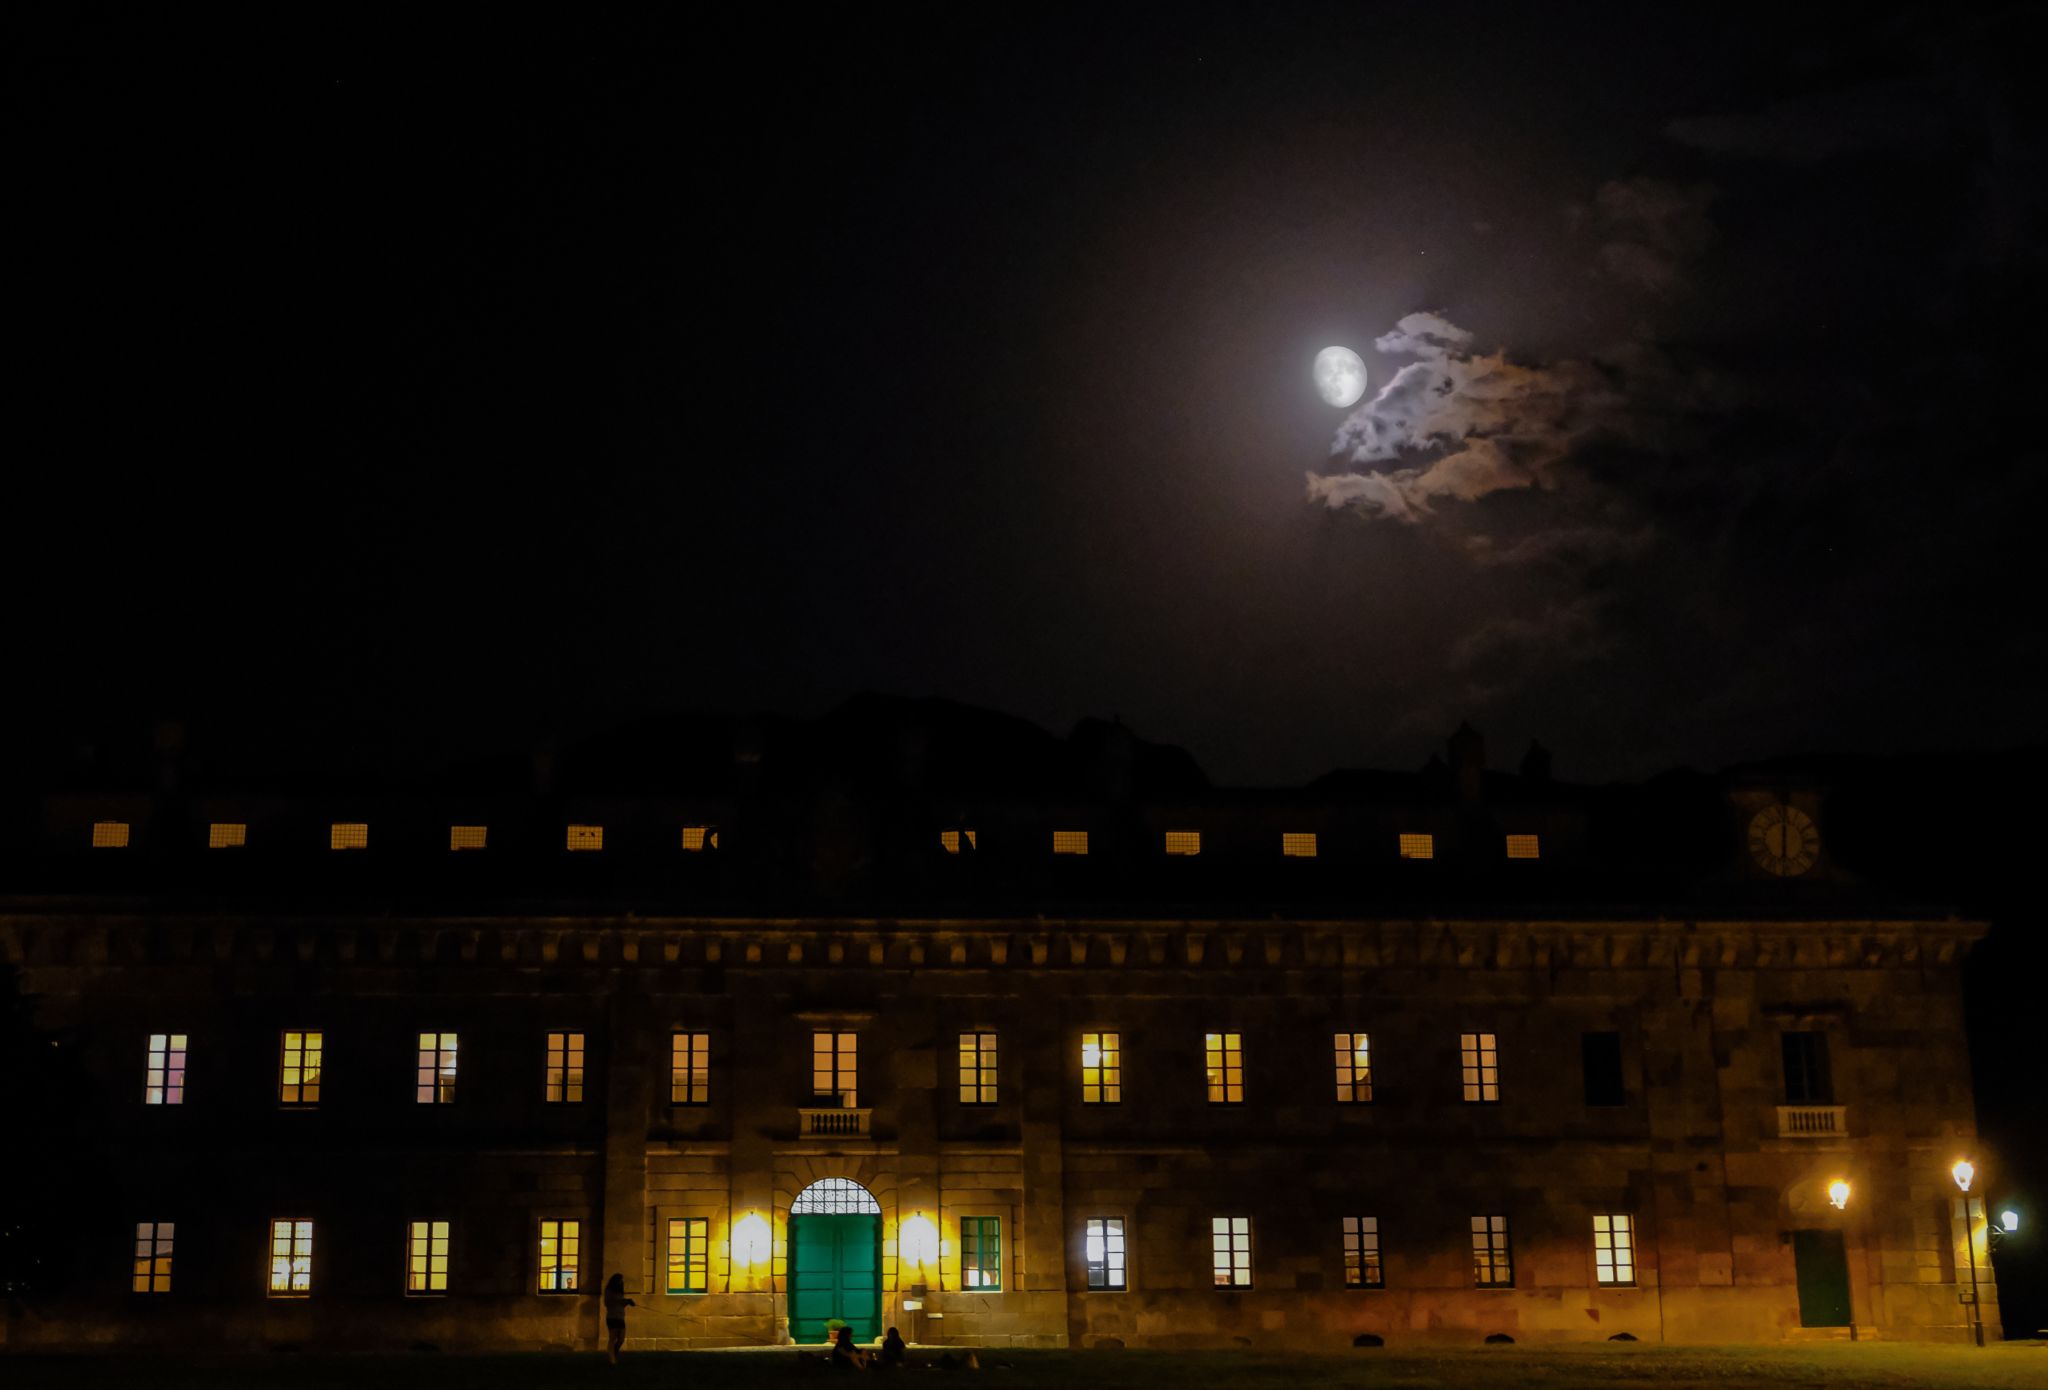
{"x":1783,"y":840}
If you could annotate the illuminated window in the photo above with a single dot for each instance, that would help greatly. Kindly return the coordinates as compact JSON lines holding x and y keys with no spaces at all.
{"x":1299,"y":844}
{"x":951,"y":840}
{"x":298,"y":1069}
{"x":561,"y":1251}
{"x":835,"y":1066}
{"x":981,"y":1253}
{"x":426,"y":1257}
{"x":1362,"y":1253}
{"x":977,"y":1068}
{"x":165,"y":1083}
{"x":1069,"y":842}
{"x":1614,"y":1249}
{"x":565,"y":1069}
{"x":291,"y":1258}
{"x":1102,"y":1068}
{"x":1354,"y":1068}
{"x":585,"y":837}
{"x":1418,"y":846}
{"x":227,"y":835}
{"x":1226,"y":1067}
{"x":1230,"y":1244}
{"x":110,"y":834}
{"x":467,"y":836}
{"x":1523,"y":847}
{"x":1480,"y":1059}
{"x":1103,"y":1245}
{"x":689,"y":1254}
{"x":435,"y":1074}
{"x":1183,"y":842}
{"x":1493,"y":1266}
{"x":698,"y":838}
{"x":348,"y":835}
{"x":153,"y":1256}
{"x":689,"y":1069}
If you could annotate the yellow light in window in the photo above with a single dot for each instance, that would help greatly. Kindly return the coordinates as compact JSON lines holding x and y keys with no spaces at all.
{"x":1183,"y":842}
{"x":698,"y":838}
{"x":586,"y":838}
{"x":467,"y":836}
{"x":1523,"y":847}
{"x":110,"y":834}
{"x":1418,"y":846}
{"x":348,"y":835}
{"x":1069,"y":842}
{"x":226,"y":835}
{"x":1298,"y":845}
{"x":950,"y":839}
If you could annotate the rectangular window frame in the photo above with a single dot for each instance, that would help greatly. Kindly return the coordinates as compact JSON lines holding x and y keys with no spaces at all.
{"x":291,"y":1257}
{"x":155,"y":1243}
{"x":979,"y":1081}
{"x":1223,"y":1057}
{"x":1102,"y":1081}
{"x":1183,"y":844}
{"x":435,"y":1068}
{"x":1363,"y":1266}
{"x":1300,"y":844}
{"x":301,"y":1057}
{"x":563,"y":1082}
{"x":227,"y":834}
{"x":1416,"y":844}
{"x":981,"y":1254}
{"x":1525,"y":846}
{"x":427,"y":1243}
{"x":558,"y":1256}
{"x":1352,"y":1054}
{"x":1105,"y":1251}
{"x":1479,"y":1067}
{"x":1493,"y":1253}
{"x":1614,"y":1250}
{"x":686,"y":1263}
{"x":468,"y":837}
{"x":689,"y":1068}
{"x":348,"y":834}
{"x":835,"y":1065}
{"x":1809,"y":1077}
{"x":163,"y":1081}
{"x":110,"y":834}
{"x":1230,"y":1251}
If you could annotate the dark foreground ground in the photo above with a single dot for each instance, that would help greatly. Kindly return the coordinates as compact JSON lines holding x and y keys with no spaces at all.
{"x":1868,"y":1366}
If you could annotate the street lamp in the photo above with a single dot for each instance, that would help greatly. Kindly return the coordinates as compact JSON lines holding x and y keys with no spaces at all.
{"x":1963,"y":1171}
{"x":1838,"y":1194}
{"x":2010,"y":1220}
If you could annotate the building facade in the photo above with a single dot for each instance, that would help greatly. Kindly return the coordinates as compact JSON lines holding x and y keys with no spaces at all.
{"x":428,"y":1123}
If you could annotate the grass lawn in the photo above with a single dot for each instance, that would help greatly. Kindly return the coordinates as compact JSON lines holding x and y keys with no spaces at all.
{"x":1868,"y":1366}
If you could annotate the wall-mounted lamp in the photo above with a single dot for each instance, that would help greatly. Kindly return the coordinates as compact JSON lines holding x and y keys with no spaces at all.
{"x":2010,"y":1220}
{"x":750,"y":1240}
{"x":1838,"y":1194}
{"x":917,"y":1240}
{"x":1963,"y":1172}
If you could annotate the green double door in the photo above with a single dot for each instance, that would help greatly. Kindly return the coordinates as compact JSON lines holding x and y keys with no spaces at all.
{"x":1823,"y":1271}
{"x":835,"y":1271}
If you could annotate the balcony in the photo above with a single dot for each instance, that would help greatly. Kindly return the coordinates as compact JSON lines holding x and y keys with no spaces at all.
{"x":1813,"y":1121}
{"x":839,"y":1122}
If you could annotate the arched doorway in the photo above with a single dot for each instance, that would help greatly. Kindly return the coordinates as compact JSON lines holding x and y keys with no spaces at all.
{"x":835,"y":1261}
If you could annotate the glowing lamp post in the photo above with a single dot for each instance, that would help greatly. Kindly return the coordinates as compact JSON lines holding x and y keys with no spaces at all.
{"x":1962,"y":1173}
{"x":2009,"y":1220}
{"x":1838,"y":1194}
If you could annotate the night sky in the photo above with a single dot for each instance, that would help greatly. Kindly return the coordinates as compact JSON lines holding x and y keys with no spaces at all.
{"x":460,"y":384}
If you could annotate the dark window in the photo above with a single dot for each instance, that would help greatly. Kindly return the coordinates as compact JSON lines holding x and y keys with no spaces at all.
{"x":1600,"y":1053}
{"x":1806,"y":1069}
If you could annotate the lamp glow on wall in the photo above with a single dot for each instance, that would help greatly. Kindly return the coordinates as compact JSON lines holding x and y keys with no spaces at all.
{"x":917,"y":1240}
{"x":1838,"y":1194}
{"x":750,"y":1240}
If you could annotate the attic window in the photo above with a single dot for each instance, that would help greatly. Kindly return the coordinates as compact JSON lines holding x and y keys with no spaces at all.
{"x":1069,"y":842}
{"x":110,"y":834}
{"x":1418,"y":846}
{"x":1183,"y":842}
{"x":227,"y":835}
{"x":1298,"y":845}
{"x":1523,"y":847}
{"x":467,"y":836}
{"x":585,"y":837}
{"x":348,"y":835}
{"x":698,"y":838}
{"x":951,"y":840}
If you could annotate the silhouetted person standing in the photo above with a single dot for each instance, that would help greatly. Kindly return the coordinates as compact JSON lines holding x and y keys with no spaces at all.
{"x":615,"y":1305}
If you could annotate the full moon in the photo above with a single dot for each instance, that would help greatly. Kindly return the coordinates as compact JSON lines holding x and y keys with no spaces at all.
{"x":1340,"y":375}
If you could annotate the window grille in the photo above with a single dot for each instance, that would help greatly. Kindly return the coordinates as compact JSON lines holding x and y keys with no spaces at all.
{"x":468,"y":836}
{"x":835,"y":1065}
{"x":1614,"y":1248}
{"x":1225,"y":1052}
{"x":977,"y":1068}
{"x":1184,"y":842}
{"x":1418,"y":846}
{"x":1102,"y":1068}
{"x":689,"y":1069}
{"x":585,"y":838}
{"x":434,"y":1080}
{"x":561,"y":1251}
{"x":291,"y":1258}
{"x":110,"y":834}
{"x":348,"y":835}
{"x":689,"y":1257}
{"x":298,"y":1069}
{"x":1069,"y":842}
{"x":1480,"y":1059}
{"x":165,"y":1082}
{"x":1231,"y":1251}
{"x":426,"y":1257}
{"x":1354,"y":1068}
{"x":1298,"y":845}
{"x":1103,"y":1248}
{"x":153,"y":1241}
{"x":981,"y":1253}
{"x":1524,"y":847}
{"x":1493,"y":1265}
{"x":1362,"y":1269}
{"x":227,"y":835}
{"x":565,"y":1069}
{"x":835,"y":1197}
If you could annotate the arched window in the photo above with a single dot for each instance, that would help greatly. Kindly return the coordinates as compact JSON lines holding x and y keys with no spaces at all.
{"x":835,"y":1197}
